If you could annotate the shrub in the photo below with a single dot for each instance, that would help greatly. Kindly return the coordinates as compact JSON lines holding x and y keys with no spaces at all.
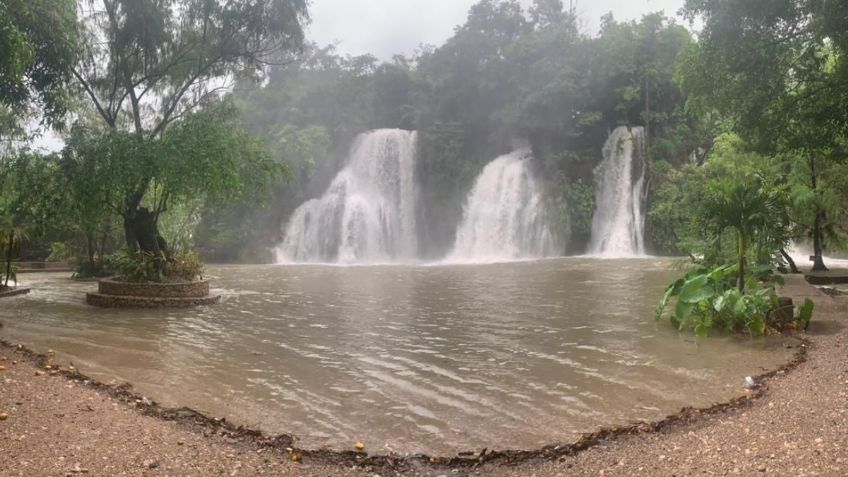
{"x":711,"y":300}
{"x":185,"y":266}
{"x":59,"y":252}
{"x":100,"y":267}
{"x":143,"y":266}
{"x":138,"y":266}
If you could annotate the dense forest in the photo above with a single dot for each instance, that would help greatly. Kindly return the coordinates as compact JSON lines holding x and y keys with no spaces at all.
{"x":507,"y":76}
{"x":757,"y":94}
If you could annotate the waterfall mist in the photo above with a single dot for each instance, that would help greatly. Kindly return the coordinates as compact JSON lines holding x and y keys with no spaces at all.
{"x":503,"y":218}
{"x":368,"y":213}
{"x":618,"y":226}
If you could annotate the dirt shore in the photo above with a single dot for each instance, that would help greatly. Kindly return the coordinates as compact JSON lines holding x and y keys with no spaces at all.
{"x":60,"y":425}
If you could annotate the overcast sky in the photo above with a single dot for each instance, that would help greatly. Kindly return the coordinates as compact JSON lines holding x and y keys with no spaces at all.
{"x":386,"y":27}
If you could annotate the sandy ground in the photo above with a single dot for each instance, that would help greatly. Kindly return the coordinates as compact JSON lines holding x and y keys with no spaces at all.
{"x":55,"y":426}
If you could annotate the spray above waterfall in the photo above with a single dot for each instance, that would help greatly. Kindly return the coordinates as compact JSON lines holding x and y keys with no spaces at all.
{"x":368,"y":213}
{"x":504,"y":218}
{"x":618,"y":227}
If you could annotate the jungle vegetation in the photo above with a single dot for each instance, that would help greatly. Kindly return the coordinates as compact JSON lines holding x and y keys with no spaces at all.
{"x":193,"y":113}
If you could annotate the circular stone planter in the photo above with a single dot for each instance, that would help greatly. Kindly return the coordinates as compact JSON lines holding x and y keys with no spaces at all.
{"x":115,"y":294}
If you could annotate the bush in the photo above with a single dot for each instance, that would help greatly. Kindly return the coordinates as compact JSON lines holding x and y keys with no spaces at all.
{"x":101,"y":267}
{"x":59,"y":252}
{"x":138,"y":266}
{"x":185,"y":266}
{"x":143,"y":266}
{"x":711,"y":300}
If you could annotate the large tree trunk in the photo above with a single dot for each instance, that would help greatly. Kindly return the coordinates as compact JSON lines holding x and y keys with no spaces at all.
{"x":818,"y":261}
{"x":142,"y":233}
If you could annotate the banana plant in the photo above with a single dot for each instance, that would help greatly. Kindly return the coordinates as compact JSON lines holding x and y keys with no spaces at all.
{"x":711,"y":300}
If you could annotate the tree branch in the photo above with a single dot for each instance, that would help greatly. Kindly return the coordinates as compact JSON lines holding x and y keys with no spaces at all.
{"x":106,"y":116}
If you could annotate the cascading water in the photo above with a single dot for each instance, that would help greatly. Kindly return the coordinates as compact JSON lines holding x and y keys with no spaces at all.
{"x":619,"y":222}
{"x":503,"y":218}
{"x":368,"y":213}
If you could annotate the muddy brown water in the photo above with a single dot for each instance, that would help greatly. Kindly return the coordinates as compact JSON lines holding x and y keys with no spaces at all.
{"x":431,"y":359}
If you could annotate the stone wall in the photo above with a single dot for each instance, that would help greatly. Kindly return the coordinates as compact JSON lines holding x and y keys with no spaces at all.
{"x":115,"y":294}
{"x":197,"y":289}
{"x":115,"y":301}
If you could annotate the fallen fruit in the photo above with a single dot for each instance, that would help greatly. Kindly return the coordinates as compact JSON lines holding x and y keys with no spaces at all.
{"x":296,"y":456}
{"x":3,"y":416}
{"x":2,"y":368}
{"x":360,"y":446}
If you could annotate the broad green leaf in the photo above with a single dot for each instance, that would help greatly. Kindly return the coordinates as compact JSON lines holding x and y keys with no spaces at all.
{"x":719,"y":303}
{"x":683,"y":310}
{"x":757,"y":326}
{"x":696,"y":290}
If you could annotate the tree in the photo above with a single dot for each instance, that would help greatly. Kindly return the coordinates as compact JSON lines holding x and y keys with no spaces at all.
{"x":87,"y":181}
{"x":776,"y":70}
{"x":748,"y":206}
{"x":37,"y":52}
{"x":31,"y":200}
{"x":207,"y":156}
{"x":148,"y":64}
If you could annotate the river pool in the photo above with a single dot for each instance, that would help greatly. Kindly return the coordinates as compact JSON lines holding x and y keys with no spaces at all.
{"x":431,"y":359}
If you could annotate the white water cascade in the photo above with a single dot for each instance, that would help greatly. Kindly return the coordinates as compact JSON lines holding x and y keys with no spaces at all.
{"x":618,"y":227}
{"x":503,"y":218}
{"x":368,"y":213}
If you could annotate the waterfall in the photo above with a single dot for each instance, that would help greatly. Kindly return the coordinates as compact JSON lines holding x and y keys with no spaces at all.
{"x":368,"y":213}
{"x":619,"y":223}
{"x":503,"y":218}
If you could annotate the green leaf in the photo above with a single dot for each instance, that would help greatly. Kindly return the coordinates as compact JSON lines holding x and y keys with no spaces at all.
{"x":805,"y":313}
{"x":719,"y":303}
{"x":670,"y":291}
{"x":683,"y":310}
{"x":756,"y":326}
{"x":696,"y":290}
{"x":740,"y":307}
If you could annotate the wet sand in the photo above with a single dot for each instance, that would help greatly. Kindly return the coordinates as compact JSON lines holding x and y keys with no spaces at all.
{"x":59,"y":425}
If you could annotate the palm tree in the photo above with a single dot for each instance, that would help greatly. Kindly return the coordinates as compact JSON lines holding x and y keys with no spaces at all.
{"x":750,"y":207}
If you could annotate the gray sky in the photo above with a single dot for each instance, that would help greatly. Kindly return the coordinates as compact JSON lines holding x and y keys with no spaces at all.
{"x":386,"y":27}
